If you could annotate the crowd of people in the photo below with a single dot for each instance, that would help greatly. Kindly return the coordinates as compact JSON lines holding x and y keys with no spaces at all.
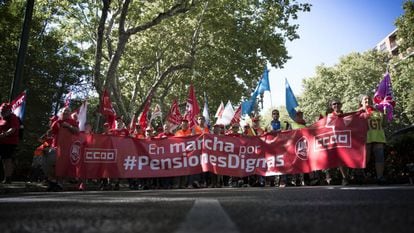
{"x":9,"y":139}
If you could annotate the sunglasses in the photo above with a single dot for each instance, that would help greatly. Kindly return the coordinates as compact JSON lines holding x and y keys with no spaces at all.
{"x":336,"y":104}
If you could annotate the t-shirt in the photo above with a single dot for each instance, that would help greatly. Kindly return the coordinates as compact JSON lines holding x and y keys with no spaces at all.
{"x":5,"y":124}
{"x":199,"y":130}
{"x":275,"y":125}
{"x":296,"y":125}
{"x":183,"y":133}
{"x":375,"y":130}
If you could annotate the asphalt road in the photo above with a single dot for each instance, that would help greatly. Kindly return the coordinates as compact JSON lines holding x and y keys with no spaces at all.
{"x":297,"y":209}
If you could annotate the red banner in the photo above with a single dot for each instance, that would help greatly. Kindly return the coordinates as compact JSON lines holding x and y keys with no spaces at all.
{"x":330,"y":142}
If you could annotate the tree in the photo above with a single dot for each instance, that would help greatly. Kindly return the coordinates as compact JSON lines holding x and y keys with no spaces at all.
{"x":356,"y":74}
{"x":405,"y":25}
{"x":49,"y":72}
{"x":145,"y":47}
{"x":404,"y":66}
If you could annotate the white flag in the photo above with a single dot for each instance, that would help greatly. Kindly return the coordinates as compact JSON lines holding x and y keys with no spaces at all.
{"x":227,"y":114}
{"x":156,"y":112}
{"x":205,"y":110}
{"x":82,"y":115}
{"x":220,"y":110}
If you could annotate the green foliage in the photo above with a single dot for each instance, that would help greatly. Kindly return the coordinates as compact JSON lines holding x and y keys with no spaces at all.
{"x":405,"y":24}
{"x":356,"y":74}
{"x":226,"y":43}
{"x":403,"y":86}
{"x":49,"y":72}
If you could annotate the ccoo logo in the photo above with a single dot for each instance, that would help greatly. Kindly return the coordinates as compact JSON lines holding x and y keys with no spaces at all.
{"x":301,"y":148}
{"x":75,"y":152}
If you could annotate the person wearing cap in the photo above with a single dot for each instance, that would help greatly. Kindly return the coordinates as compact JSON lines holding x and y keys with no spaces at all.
{"x":120,"y":129}
{"x":9,"y":139}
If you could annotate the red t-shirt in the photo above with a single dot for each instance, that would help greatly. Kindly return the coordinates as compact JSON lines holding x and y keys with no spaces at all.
{"x":5,"y":124}
{"x":56,"y":126}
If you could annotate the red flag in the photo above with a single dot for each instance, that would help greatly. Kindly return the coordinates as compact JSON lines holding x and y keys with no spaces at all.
{"x":143,"y":117}
{"x":19,"y":105}
{"x":132,"y":126}
{"x":192,"y":109}
{"x":106,"y":105}
{"x":107,"y":110}
{"x":174,"y":115}
{"x":237,"y":116}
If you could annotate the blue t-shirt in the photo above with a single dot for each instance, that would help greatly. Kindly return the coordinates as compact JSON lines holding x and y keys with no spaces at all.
{"x":275,"y":125}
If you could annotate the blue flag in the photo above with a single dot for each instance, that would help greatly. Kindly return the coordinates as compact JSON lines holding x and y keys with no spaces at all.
{"x":248,"y":106}
{"x":264,"y":82}
{"x":291,"y":102}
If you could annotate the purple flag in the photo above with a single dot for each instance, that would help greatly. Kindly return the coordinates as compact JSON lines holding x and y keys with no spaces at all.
{"x":383,"y":98}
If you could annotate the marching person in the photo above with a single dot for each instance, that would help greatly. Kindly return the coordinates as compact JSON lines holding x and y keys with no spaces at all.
{"x":336,"y":111}
{"x":235,"y":181}
{"x":201,"y":127}
{"x":185,"y":131}
{"x":217,"y":180}
{"x":375,"y":136}
{"x":9,"y":139}
{"x":64,"y":122}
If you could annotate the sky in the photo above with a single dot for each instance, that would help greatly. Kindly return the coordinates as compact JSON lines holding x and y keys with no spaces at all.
{"x":332,"y":29}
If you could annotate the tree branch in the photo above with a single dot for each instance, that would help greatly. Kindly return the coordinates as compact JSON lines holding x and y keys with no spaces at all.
{"x":179,"y":8}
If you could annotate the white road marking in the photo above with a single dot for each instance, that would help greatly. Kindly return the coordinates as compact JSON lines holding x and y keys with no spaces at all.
{"x":207,"y":216}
